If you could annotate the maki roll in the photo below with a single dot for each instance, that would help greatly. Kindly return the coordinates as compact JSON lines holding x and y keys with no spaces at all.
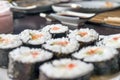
{"x":104,"y":58}
{"x":111,"y":41}
{"x":61,"y":47}
{"x":57,"y":30}
{"x":84,"y":36}
{"x":7,"y":43}
{"x":24,"y":62}
{"x":34,"y":38}
{"x":66,"y":69}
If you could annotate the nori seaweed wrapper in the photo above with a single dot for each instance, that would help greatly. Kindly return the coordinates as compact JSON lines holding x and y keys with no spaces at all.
{"x":106,"y":67}
{"x":119,"y":57}
{"x":4,"y":60}
{"x":32,"y":46}
{"x":60,"y":55}
{"x":59,"y":35}
{"x":23,"y":71}
{"x":84,"y":44}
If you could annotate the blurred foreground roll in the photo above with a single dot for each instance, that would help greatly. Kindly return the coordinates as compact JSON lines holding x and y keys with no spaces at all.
{"x":24,"y":62}
{"x":7,"y":43}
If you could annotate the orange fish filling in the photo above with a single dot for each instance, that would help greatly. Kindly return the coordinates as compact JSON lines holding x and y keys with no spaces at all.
{"x":4,"y":40}
{"x":93,"y":51}
{"x":1,"y":39}
{"x":34,"y":54}
{"x":55,"y":28}
{"x":116,"y":38}
{"x":82,"y":34}
{"x":36,"y":36}
{"x":62,"y":43}
{"x":71,"y":66}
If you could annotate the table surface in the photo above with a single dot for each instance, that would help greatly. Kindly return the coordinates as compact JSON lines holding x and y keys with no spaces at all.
{"x":36,"y":22}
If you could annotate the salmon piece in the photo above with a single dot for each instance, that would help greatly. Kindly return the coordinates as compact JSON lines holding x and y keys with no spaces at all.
{"x":35,"y":54}
{"x":62,"y":43}
{"x":82,"y":34}
{"x":93,"y":51}
{"x":71,"y":66}
{"x":1,"y":39}
{"x":4,"y":40}
{"x":116,"y":38}
{"x":36,"y":36}
{"x":55,"y":28}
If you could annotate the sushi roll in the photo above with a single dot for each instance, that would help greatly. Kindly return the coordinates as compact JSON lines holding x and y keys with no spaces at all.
{"x":61,"y":47}
{"x":7,"y":43}
{"x":111,"y":41}
{"x":57,"y":30}
{"x":34,"y":38}
{"x":24,"y":62}
{"x":104,"y":58}
{"x":66,"y":69}
{"x":84,"y":36}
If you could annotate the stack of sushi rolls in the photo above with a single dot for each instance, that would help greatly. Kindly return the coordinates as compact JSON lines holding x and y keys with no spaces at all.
{"x":61,"y":47}
{"x":57,"y":53}
{"x":111,"y":41}
{"x":34,"y":38}
{"x":7,"y":43}
{"x":57,"y":30}
{"x":24,"y":62}
{"x":66,"y":69}
{"x":103,"y":58}
{"x":84,"y":36}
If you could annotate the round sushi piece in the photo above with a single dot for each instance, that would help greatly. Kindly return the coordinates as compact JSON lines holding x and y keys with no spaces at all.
{"x":34,"y":38}
{"x":7,"y":43}
{"x":66,"y":69}
{"x":61,"y":47}
{"x":57,"y":30}
{"x":24,"y":62}
{"x":111,"y":41}
{"x":104,"y":58}
{"x":85,"y":36}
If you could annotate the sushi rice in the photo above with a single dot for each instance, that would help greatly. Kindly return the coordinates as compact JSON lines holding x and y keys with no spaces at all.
{"x":62,"y":45}
{"x":55,"y":28}
{"x":66,"y":69}
{"x":105,"y":59}
{"x":95,"y":54}
{"x":34,"y":37}
{"x":28,"y":55}
{"x":9,"y":41}
{"x":84,"y":35}
{"x":110,"y":41}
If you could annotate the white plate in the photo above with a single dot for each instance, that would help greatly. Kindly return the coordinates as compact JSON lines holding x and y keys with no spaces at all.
{"x":63,"y":6}
{"x":97,"y":6}
{"x":3,"y":74}
{"x":86,"y":6}
{"x":31,"y":6}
